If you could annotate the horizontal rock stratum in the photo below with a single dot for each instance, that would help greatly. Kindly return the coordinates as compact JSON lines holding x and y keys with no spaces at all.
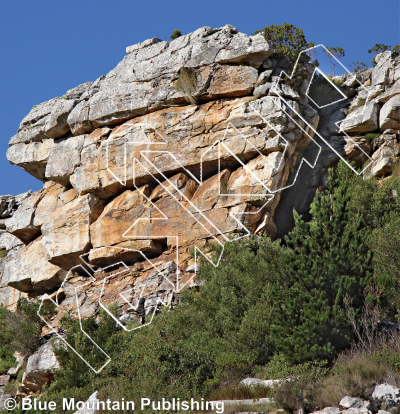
{"x":135,"y":171}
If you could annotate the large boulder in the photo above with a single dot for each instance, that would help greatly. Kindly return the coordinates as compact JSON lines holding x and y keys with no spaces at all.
{"x":32,"y":157}
{"x":387,"y":394}
{"x":389,"y":116}
{"x":30,"y":272}
{"x":21,"y":224}
{"x":40,"y":368}
{"x":26,"y":222}
{"x":66,"y":233}
{"x":363,"y":119}
{"x":63,"y":159}
{"x":384,"y":159}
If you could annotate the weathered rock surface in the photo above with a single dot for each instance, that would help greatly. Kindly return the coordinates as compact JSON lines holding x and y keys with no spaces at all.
{"x":4,"y":380}
{"x":384,"y":158}
{"x":29,"y":271}
{"x":131,"y":169}
{"x":66,"y":233}
{"x":40,"y":368}
{"x":361,"y":120}
{"x":90,"y":405}
{"x":257,"y":382}
{"x":389,"y":116}
{"x":387,"y":394}
{"x":3,"y":398}
{"x":63,"y":159}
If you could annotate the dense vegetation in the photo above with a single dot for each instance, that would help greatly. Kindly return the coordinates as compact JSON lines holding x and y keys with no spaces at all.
{"x":271,"y":308}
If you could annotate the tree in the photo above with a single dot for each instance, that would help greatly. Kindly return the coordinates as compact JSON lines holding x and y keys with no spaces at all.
{"x":175,"y":34}
{"x":334,"y":53}
{"x":357,"y":66}
{"x":378,"y":48}
{"x":326,"y":259}
{"x":288,"y":41}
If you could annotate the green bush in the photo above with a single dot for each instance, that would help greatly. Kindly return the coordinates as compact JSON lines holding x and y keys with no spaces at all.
{"x":175,"y":34}
{"x":288,"y":41}
{"x":326,"y":259}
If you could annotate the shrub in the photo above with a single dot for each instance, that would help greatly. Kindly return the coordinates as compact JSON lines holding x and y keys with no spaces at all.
{"x":358,"y":66}
{"x":288,"y":41}
{"x":300,"y":384}
{"x":175,"y":34}
{"x":326,"y":259}
{"x":357,"y":371}
{"x":26,"y":322}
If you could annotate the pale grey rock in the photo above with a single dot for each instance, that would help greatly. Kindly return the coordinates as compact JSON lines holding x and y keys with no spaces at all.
{"x":151,"y":70}
{"x":28,"y":271}
{"x":142,"y":45}
{"x":191,"y":269}
{"x":328,"y":410}
{"x":354,"y":410}
{"x":389,"y":116}
{"x":63,"y":160}
{"x":90,"y":405}
{"x":13,"y":372}
{"x":243,"y":48}
{"x":21,"y":197}
{"x":284,"y":91}
{"x":3,"y":398}
{"x":262,"y":90}
{"x":77,"y":92}
{"x":78,"y":119}
{"x":386,"y":392}
{"x":49,"y":119}
{"x":32,"y":127}
{"x":362,"y":119}
{"x":7,"y":206}
{"x":4,"y":380}
{"x":8,"y":241}
{"x":379,"y":74}
{"x":389,"y":93}
{"x":383,"y":159}
{"x":32,"y":157}
{"x":56,"y":124}
{"x":21,"y":224}
{"x":40,"y":368}
{"x":374,"y":91}
{"x":264,"y":77}
{"x":350,"y":402}
{"x":252,"y":382}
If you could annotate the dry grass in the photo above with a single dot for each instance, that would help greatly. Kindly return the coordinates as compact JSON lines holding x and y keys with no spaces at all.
{"x":186,"y":84}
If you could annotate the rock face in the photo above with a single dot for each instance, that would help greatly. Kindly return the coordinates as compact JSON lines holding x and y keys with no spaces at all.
{"x":66,"y":233}
{"x":40,"y":368}
{"x":30,"y":272}
{"x":139,"y":172}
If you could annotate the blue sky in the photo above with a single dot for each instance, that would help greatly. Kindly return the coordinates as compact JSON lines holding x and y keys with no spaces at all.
{"x":50,"y":46}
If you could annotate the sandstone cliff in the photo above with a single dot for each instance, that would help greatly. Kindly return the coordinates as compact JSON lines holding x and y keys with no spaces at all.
{"x":134,"y":174}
